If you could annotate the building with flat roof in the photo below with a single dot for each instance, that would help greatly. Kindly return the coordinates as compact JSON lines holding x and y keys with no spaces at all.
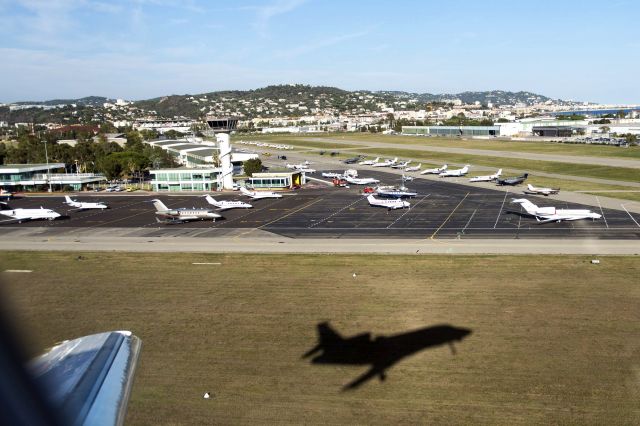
{"x":276,"y":180}
{"x":452,"y":130}
{"x":41,"y":177}
{"x":186,"y":179}
{"x":204,"y":153}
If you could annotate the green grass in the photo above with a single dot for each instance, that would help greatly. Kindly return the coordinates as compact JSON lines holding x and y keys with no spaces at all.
{"x":538,"y":147}
{"x":552,"y":344}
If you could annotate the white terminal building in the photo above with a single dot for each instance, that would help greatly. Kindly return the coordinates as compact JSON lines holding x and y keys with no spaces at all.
{"x":207,"y":165}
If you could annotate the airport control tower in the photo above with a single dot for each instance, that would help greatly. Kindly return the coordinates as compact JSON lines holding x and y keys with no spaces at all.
{"x":222,"y":127}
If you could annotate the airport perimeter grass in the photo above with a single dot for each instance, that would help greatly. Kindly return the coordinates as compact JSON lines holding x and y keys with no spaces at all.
{"x":556,"y":340}
{"x":338,"y":140}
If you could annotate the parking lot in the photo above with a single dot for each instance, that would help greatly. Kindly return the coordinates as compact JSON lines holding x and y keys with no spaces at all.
{"x":442,"y":209}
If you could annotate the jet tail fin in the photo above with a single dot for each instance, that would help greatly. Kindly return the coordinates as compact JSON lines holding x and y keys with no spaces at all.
{"x":159,"y":205}
{"x":68,"y":199}
{"x":327,"y":336}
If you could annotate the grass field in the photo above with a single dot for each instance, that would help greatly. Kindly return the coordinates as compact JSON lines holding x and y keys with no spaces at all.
{"x":555,"y":339}
{"x":537,"y":147}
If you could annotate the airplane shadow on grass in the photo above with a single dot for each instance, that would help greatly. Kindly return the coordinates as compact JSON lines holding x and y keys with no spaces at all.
{"x":381,"y":353}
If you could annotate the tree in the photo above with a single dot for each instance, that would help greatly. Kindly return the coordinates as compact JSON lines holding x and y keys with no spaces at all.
{"x":252,"y":166}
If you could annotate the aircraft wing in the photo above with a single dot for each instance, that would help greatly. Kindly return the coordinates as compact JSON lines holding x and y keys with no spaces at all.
{"x":12,"y":220}
{"x":89,"y":379}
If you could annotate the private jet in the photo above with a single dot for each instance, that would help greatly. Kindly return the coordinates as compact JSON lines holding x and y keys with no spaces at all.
{"x":541,"y":191}
{"x":227,"y":205}
{"x":369,"y":162}
{"x":551,"y":214}
{"x":395,"y":192}
{"x":352,"y":160}
{"x":6,"y":194}
{"x":435,"y":171}
{"x":457,"y":172}
{"x":361,"y":181}
{"x":400,"y":165}
{"x":394,"y":204}
{"x":22,"y":215}
{"x":332,"y":175}
{"x":512,"y":181}
{"x":487,"y":178}
{"x":79,"y":205}
{"x":414,"y":168}
{"x":257,"y":195}
{"x":387,"y":163}
{"x":182,"y":215}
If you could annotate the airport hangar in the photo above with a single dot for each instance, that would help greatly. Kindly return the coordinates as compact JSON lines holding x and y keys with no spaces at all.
{"x":442,"y":209}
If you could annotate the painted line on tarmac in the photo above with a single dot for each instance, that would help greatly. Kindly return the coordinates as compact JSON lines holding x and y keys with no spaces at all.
{"x":470,"y":219}
{"x":402,"y":215}
{"x":501,"y":207}
{"x":449,"y":217}
{"x":632,"y":218}
{"x":333,"y":214}
{"x":601,"y":211}
{"x":290,"y":213}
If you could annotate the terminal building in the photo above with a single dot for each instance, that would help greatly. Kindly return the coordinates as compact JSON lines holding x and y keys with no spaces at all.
{"x":186,"y":179}
{"x":276,"y":180}
{"x":43,"y":177}
{"x":452,"y":131}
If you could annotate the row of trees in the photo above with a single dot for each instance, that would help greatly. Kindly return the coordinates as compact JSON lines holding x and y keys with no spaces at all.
{"x":88,"y":155}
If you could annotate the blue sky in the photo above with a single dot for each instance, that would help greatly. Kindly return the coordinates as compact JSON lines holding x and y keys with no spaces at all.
{"x":138,"y":49}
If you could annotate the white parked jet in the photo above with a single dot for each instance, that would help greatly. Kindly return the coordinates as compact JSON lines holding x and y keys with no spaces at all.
{"x":457,"y":172}
{"x":21,"y":215}
{"x":541,"y":191}
{"x":331,"y":175}
{"x":400,"y":165}
{"x":387,"y":163}
{"x":257,"y":195}
{"x":227,"y":205}
{"x":487,"y":178}
{"x":361,"y":181}
{"x":435,"y":171}
{"x":389,"y":204}
{"x":79,"y":205}
{"x":181,"y":215}
{"x":414,"y":168}
{"x":369,"y":162}
{"x":551,"y":214}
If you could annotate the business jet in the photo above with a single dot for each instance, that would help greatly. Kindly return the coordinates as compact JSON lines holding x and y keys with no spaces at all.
{"x":400,"y":165}
{"x":332,"y":175}
{"x":21,"y":215}
{"x":487,"y":178}
{"x":387,"y":163}
{"x":414,"y":168}
{"x":182,"y":215}
{"x":551,"y":214}
{"x":352,"y":160}
{"x":79,"y":205}
{"x":257,"y":195}
{"x":395,"y":192}
{"x":396,"y":203}
{"x":435,"y":171}
{"x":541,"y":191}
{"x":361,"y":181}
{"x":300,"y":166}
{"x":6,"y":194}
{"x":457,"y":172}
{"x":512,"y":181}
{"x":369,"y":162}
{"x":227,"y":205}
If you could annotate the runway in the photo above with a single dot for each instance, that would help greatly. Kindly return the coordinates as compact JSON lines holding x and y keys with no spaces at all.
{"x":442,"y":210}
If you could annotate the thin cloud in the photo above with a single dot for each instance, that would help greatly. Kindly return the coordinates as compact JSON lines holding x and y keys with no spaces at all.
{"x":320,"y":44}
{"x":266,"y":13}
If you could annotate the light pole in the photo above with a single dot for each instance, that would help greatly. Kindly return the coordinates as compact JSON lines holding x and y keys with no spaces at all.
{"x":46,"y":155}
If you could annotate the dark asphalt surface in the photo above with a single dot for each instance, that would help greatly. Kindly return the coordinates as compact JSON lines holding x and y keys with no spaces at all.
{"x":442,"y":209}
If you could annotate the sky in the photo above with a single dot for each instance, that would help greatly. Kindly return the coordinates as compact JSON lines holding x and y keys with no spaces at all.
{"x":138,"y":49}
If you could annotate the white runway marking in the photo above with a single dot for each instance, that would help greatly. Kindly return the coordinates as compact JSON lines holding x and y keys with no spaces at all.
{"x":333,"y":214}
{"x":603,"y":217}
{"x":206,"y":263}
{"x":469,"y":221}
{"x":402,"y":215}
{"x":501,"y":207}
{"x":632,"y":218}
{"x":21,"y":271}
